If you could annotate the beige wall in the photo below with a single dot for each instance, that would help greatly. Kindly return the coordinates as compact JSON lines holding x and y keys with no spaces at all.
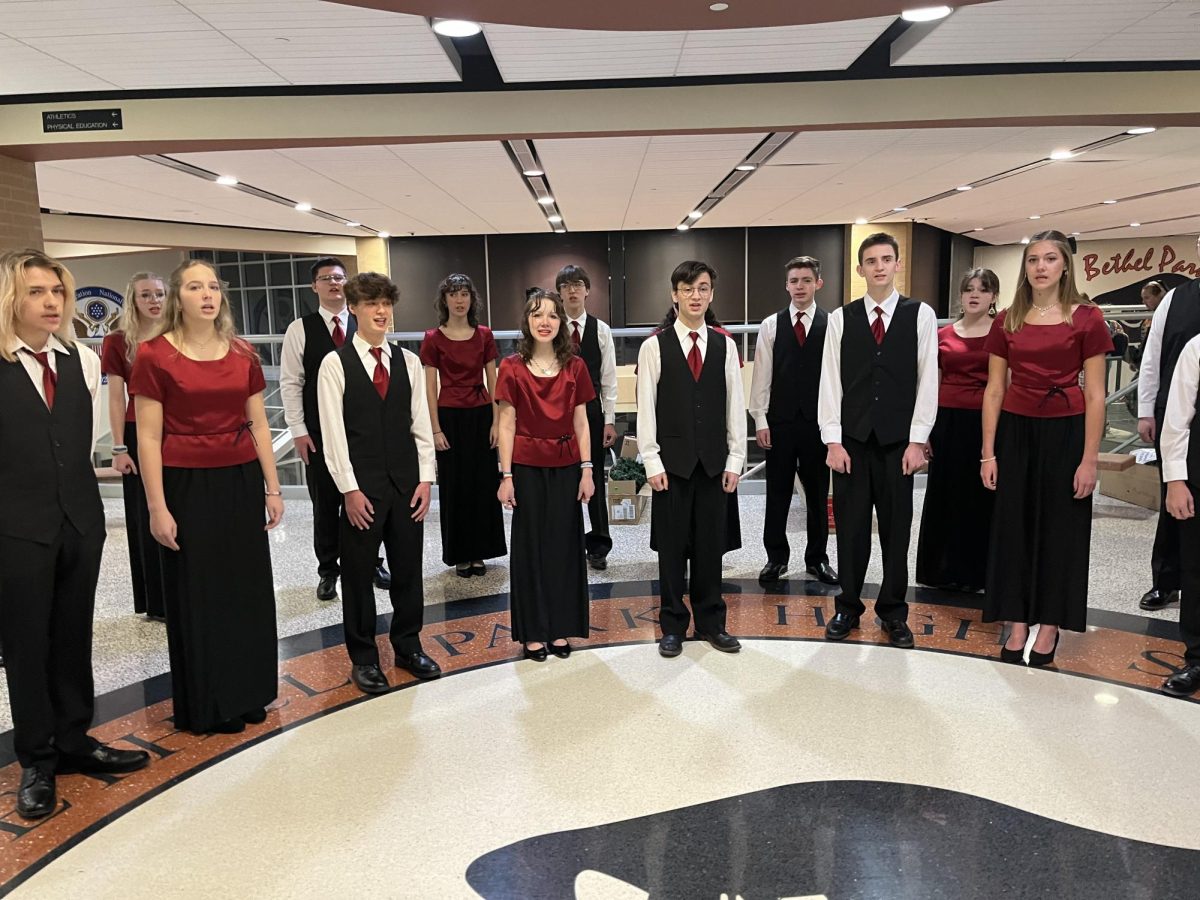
{"x":20,"y":214}
{"x":113,"y":271}
{"x":856,"y":286}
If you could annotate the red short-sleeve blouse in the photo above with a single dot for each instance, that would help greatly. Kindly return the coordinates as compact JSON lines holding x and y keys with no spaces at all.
{"x":114,"y":361}
{"x":964,"y":367}
{"x":1045,"y":361}
{"x":460,"y":366}
{"x":545,"y":410}
{"x":204,"y":403}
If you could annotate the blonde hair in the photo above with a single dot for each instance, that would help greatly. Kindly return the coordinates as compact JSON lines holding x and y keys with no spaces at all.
{"x":172,"y":317}
{"x":131,"y":323}
{"x":13,"y":286}
{"x":1068,"y":292}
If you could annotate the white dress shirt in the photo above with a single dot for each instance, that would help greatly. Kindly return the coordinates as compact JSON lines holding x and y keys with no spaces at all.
{"x":1181,"y":407}
{"x":291,"y":368}
{"x":649,"y":371}
{"x":88,"y":361}
{"x":829,"y":406}
{"x":1149,"y":369}
{"x":608,"y":365}
{"x":764,"y":352}
{"x":331,"y":388}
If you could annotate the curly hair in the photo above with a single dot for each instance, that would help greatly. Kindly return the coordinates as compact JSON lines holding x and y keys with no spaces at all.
{"x":563,"y":351}
{"x":453,"y":283}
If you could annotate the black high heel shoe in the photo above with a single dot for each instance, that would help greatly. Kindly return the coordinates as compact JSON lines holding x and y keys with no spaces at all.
{"x":562,"y":651}
{"x":1015,"y":657}
{"x":538,"y":655}
{"x":1044,"y":659}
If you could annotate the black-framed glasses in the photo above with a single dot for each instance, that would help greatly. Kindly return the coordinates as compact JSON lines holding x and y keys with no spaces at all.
{"x":332,"y":279}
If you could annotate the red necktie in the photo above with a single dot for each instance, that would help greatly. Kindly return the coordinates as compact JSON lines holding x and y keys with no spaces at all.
{"x":380,"y":378}
{"x":695,"y":363}
{"x":339,"y":336}
{"x":575,"y":335}
{"x":801,"y":334}
{"x":49,"y":379}
{"x":877,"y":325}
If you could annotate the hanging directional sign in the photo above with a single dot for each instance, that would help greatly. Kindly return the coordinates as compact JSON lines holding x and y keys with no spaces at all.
{"x":81,"y":120}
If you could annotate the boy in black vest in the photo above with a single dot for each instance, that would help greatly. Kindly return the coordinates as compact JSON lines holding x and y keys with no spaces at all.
{"x":1176,"y":321}
{"x":307,"y":341}
{"x":51,"y":530}
{"x":783,"y":404}
{"x":1180,"y":440}
{"x":593,"y":342}
{"x":877,"y":405}
{"x":379,"y":450}
{"x":692,"y":437}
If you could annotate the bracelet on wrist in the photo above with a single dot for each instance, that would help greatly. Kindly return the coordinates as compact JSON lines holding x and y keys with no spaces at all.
{"x":119,"y":449}
{"x":506,"y":474}
{"x":274,"y":493}
{"x":587,"y":464}
{"x":989,"y":459}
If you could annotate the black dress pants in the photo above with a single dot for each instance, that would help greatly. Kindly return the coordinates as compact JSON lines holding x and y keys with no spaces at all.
{"x":327,"y":512}
{"x":47,"y":596}
{"x":796,"y":449}
{"x":876,"y":481}
{"x":1189,"y":604}
{"x":598,"y":540}
{"x":404,"y":541}
{"x":691,"y":515}
{"x":1165,"y":560}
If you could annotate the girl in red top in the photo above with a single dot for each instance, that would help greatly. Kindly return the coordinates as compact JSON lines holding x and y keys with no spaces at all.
{"x":1041,"y":440}
{"x":205,"y":456}
{"x":144,"y":297}
{"x":957,"y":516}
{"x":546,"y":473}
{"x":458,"y":355}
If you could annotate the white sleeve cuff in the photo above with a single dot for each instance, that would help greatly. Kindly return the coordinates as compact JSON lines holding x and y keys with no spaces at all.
{"x":653,"y":466}
{"x":298,"y":431}
{"x":831,"y":434}
{"x":1173,"y":470}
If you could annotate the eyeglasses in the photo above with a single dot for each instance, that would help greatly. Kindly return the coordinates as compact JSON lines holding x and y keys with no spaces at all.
{"x":687,"y":291}
{"x":577,"y":285}
{"x":332,"y":279}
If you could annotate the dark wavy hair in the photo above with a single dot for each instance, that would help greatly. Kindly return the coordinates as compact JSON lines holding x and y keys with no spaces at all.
{"x":563,"y":351}
{"x":457,"y":283}
{"x":371,"y":286}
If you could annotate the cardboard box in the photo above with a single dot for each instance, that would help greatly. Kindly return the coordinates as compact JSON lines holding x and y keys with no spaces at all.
{"x":626,"y":504}
{"x":629,"y":448}
{"x":1138,"y":484}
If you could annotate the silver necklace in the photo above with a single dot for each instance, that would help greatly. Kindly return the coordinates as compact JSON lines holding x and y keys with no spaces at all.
{"x":1043,"y":311}
{"x":543,"y":369}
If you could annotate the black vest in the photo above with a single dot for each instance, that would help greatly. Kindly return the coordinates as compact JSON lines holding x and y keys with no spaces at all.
{"x":1182,"y":324}
{"x":589,"y":352}
{"x":879,"y":381}
{"x":318,"y":343}
{"x":379,"y":431}
{"x":796,"y":370}
{"x":46,"y":457}
{"x":690,"y":414}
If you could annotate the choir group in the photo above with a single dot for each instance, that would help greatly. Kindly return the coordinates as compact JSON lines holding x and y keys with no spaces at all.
{"x":1006,"y":410}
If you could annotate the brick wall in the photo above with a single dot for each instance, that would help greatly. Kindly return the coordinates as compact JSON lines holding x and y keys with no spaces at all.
{"x":20,"y":211}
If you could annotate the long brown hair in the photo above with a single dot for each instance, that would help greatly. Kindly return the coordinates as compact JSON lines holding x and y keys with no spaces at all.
{"x":131,"y":323}
{"x":453,"y":283}
{"x":563,"y":351}
{"x":13,"y":285}
{"x":1068,"y":292}
{"x":172,"y":317}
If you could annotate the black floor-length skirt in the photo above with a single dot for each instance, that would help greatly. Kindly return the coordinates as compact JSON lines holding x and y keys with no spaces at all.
{"x":956,"y":520}
{"x":220,"y":596}
{"x":548,"y":572}
{"x":1041,"y":535}
{"x":468,"y":477}
{"x":145,"y":557}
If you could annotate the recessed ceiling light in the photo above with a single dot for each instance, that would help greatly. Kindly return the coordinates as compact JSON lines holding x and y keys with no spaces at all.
{"x":553,"y":220}
{"x":546,"y":201}
{"x":1063,"y":154}
{"x":977,"y":228}
{"x":226,"y":179}
{"x":925,"y":13}
{"x":682,"y":226}
{"x":1074,"y":234}
{"x":1135,"y":224}
{"x":860,"y":221}
{"x":456,"y":28}
{"x":1109,"y":202}
{"x":1034,"y":218}
{"x":899,"y":209}
{"x":1024,"y":240}
{"x":965,"y":187}
{"x":354,"y":224}
{"x":384,"y":234}
{"x":746,"y":167}
{"x":533,"y":173}
{"x":718,"y":7}
{"x":695,"y":214}
{"x":303,"y":207}
{"x":560,"y":231}
{"x":1144,"y":129}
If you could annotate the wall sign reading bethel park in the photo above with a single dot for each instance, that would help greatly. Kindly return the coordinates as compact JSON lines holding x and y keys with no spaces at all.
{"x":1144,"y":258}
{"x":81,"y":120}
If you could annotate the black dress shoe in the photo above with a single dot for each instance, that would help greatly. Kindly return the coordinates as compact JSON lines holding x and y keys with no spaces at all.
{"x":105,"y":760}
{"x":383,"y":578}
{"x":824,"y":573}
{"x":36,"y":796}
{"x":418,"y":664}
{"x":369,"y":679}
{"x":599,"y":563}
{"x":898,"y":632}
{"x":562,"y":651}
{"x":478,"y":568}
{"x":228,"y":726}
{"x":1156,"y":599}
{"x":1044,"y":659}
{"x":726,"y":643}
{"x":255,"y":716}
{"x":538,"y":655}
{"x":327,"y":588}
{"x":1181,"y":684}
{"x":771,"y":573}
{"x":463,"y":571}
{"x":839,"y":627}
{"x":670,"y":645}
